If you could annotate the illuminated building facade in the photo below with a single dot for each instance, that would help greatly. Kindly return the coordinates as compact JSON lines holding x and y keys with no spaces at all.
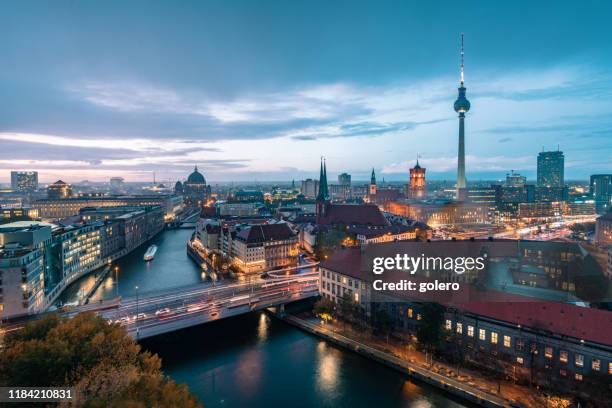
{"x":601,"y":190}
{"x":417,"y":181}
{"x":59,"y":190}
{"x":440,"y":212}
{"x":58,"y":209}
{"x":551,"y":169}
{"x":24,"y":181}
{"x":603,"y":230}
{"x":260,"y":248}
{"x":23,"y":262}
{"x":195,"y":191}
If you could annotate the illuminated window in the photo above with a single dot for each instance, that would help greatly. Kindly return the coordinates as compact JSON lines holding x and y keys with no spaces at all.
{"x":418,"y":316}
{"x":449,"y":325}
{"x":578,"y":377}
{"x":410,"y":312}
{"x":563,"y":356}
{"x":493,"y":338}
{"x":579,"y":360}
{"x":519,"y":360}
{"x":459,"y":328}
{"x":610,"y":368}
{"x":470,"y":331}
{"x":482,"y":334}
{"x":548,"y":352}
{"x":507,"y":341}
{"x":596,"y":364}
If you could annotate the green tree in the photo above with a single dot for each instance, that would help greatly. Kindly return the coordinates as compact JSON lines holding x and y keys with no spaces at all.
{"x":106,"y":367}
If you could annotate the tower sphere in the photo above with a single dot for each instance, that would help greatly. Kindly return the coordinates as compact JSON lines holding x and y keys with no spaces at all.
{"x":462,"y":105}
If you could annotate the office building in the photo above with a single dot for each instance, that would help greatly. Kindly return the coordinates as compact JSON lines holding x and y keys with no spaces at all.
{"x":551,"y":169}
{"x":601,"y":191}
{"x":24,"y":181}
{"x":24,"y":250}
{"x":344,"y":179}
{"x":310,"y":188}
{"x":603,"y":230}
{"x":515,"y":179}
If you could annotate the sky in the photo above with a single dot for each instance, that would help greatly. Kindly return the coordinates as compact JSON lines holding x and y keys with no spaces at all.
{"x":261,"y":90}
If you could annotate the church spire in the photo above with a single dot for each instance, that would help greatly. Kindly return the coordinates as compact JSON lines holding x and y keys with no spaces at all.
{"x":323,"y":189}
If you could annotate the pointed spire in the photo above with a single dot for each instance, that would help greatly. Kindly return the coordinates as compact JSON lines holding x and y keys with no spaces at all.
{"x":195,"y":168}
{"x":373,"y":177}
{"x":462,"y":54}
{"x":323,"y":189}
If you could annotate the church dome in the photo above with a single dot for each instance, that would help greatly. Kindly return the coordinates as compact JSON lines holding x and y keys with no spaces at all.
{"x":196,"y":177}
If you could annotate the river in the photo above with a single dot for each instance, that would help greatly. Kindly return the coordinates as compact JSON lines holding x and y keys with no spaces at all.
{"x":255,"y":360}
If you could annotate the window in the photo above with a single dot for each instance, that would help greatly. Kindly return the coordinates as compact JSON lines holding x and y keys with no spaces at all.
{"x":482,"y":334}
{"x":493,"y":338}
{"x":548,"y":352}
{"x":410,"y":313}
{"x":563,"y":356}
{"x":507,"y":341}
{"x":449,"y":325}
{"x":596,"y":364}
{"x":610,"y":368}
{"x":470,"y":331}
{"x":356,"y":297}
{"x":519,"y":360}
{"x":460,"y":328}
{"x":579,"y":360}
{"x":418,"y":316}
{"x":520,"y":344}
{"x":578,"y":377}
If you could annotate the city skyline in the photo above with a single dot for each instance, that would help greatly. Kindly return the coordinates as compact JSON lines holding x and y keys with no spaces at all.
{"x":263,"y":99}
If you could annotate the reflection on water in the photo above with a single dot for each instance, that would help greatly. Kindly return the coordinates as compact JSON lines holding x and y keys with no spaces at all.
{"x":262,"y":327}
{"x":257,"y":361}
{"x":328,"y":361}
{"x":170,"y":268}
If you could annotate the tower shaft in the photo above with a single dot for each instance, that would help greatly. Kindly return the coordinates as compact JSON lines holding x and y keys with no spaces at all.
{"x":461,"y":182}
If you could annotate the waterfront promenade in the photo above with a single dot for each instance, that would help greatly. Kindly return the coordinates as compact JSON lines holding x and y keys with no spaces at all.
{"x":471,"y":386}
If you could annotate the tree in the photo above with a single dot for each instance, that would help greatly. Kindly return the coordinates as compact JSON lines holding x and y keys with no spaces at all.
{"x":106,"y":367}
{"x":430,"y":331}
{"x":325,"y":309}
{"x":382,"y":322}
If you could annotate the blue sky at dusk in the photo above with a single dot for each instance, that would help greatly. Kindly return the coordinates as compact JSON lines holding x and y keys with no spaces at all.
{"x":260,"y":90}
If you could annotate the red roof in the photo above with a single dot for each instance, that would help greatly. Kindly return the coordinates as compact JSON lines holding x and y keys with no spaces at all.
{"x":349,"y":214}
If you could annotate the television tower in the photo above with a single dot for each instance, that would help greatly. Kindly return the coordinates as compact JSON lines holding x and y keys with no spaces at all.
{"x":462,"y":105}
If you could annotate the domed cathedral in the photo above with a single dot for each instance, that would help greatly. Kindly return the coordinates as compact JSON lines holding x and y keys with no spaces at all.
{"x":195,"y":191}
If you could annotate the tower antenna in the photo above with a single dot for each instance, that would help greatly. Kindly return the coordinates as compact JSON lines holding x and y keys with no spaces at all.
{"x":462,"y":53}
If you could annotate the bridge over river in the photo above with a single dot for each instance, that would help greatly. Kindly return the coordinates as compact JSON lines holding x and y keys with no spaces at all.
{"x":154,"y":313}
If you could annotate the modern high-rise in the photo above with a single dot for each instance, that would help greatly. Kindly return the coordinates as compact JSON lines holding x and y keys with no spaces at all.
{"x":551,"y":169}
{"x":24,"y":181}
{"x":344,"y":179}
{"x":601,"y":190}
{"x":461,"y":106}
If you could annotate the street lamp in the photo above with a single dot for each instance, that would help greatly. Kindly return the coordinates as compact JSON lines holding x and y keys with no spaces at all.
{"x":136,"y":288}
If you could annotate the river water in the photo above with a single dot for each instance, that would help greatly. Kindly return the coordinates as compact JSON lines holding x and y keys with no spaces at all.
{"x":255,"y":360}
